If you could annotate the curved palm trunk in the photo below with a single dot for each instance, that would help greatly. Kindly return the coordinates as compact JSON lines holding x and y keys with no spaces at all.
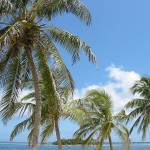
{"x":58,"y":135}
{"x":110,"y":142}
{"x":44,"y":141}
{"x":37,"y":120}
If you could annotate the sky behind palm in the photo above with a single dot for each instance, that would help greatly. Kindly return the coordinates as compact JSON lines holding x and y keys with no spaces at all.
{"x":120,"y":38}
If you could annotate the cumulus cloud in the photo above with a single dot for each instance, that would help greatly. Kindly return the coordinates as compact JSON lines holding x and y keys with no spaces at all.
{"x":118,"y":86}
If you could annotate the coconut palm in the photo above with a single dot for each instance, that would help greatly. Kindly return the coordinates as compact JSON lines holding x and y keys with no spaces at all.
{"x":27,"y":47}
{"x":99,"y":120}
{"x":51,"y":113}
{"x":140,"y":107}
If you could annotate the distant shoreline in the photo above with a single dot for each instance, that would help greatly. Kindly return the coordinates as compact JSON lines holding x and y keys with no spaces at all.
{"x":50,"y":143}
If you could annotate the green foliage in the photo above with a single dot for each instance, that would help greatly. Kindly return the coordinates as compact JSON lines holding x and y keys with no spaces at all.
{"x":12,"y":74}
{"x":21,"y":127}
{"x":27,"y":46}
{"x":5,"y":7}
{"x":140,"y":107}
{"x":50,"y":9}
{"x":49,"y":112}
{"x":23,"y":29}
{"x":69,"y":141}
{"x":71,"y":43}
{"x":99,"y":121}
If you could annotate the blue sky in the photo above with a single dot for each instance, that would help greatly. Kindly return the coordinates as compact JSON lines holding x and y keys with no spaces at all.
{"x":120,"y":38}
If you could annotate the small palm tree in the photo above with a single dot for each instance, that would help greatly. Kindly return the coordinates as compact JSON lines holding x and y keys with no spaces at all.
{"x":140,"y":107}
{"x":27,"y":47}
{"x":97,"y":110}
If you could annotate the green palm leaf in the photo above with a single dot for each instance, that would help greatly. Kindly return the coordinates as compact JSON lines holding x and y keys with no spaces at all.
{"x":47,"y":131}
{"x":5,"y":7}
{"x":47,"y":77}
{"x":20,"y":128}
{"x":60,"y":70}
{"x":49,"y":9}
{"x":124,"y":136}
{"x":72,"y":43}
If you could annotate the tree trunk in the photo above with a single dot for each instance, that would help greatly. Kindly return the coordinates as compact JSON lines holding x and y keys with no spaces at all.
{"x":110,"y":142}
{"x":36,"y":130}
{"x":44,"y":141}
{"x":58,"y":135}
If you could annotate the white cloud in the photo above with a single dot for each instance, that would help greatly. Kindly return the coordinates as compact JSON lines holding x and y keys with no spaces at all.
{"x":118,"y":86}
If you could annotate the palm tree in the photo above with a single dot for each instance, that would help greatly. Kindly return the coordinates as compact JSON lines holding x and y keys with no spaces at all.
{"x":51,"y":113}
{"x":99,"y":121}
{"x":49,"y":118}
{"x":140,"y":107}
{"x":27,"y":47}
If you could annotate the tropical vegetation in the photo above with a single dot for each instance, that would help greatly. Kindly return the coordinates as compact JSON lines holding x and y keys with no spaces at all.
{"x":30,"y":60}
{"x":50,"y":114}
{"x":97,"y":120}
{"x":27,"y":46}
{"x":139,"y":108}
{"x":69,"y":141}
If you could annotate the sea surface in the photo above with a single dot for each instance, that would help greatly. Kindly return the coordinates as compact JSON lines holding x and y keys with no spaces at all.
{"x":118,"y":146}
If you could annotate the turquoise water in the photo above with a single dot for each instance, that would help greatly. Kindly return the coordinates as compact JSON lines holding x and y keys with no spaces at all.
{"x":18,"y":146}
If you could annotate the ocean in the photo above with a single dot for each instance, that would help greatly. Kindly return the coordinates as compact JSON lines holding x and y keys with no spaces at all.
{"x":22,"y":146}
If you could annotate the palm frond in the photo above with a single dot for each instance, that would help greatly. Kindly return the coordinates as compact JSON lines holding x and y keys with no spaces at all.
{"x":5,"y":7}
{"x":47,"y":77}
{"x":49,"y":9}
{"x":20,"y":128}
{"x":87,"y":141}
{"x":121,"y":116}
{"x":136,"y":123}
{"x":85,"y":130}
{"x":77,"y":8}
{"x":100,"y":101}
{"x":12,"y":78}
{"x":142,"y":87}
{"x":144,"y":125}
{"x":140,"y":107}
{"x":27,"y":108}
{"x":61,"y":73}
{"x":47,"y":130}
{"x":135,"y":103}
{"x":20,"y":3}
{"x":106,"y":129}
{"x":72,"y":43}
{"x":4,"y":61}
{"x":30,"y":137}
{"x":124,"y":136}
{"x":12,"y":86}
{"x":76,"y":111}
